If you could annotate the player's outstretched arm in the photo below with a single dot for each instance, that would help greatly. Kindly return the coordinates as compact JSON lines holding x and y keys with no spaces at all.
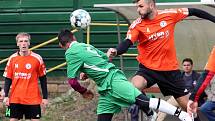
{"x":120,"y":49}
{"x":201,"y":14}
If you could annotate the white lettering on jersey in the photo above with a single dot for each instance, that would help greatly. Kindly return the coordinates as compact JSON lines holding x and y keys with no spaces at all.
{"x":21,"y":75}
{"x":157,"y":35}
{"x":93,"y":67}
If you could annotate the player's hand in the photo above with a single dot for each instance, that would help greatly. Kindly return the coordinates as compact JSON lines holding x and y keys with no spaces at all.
{"x":192,"y":107}
{"x":112,"y":52}
{"x":6,"y":101}
{"x":88,"y":95}
{"x":44,"y":104}
{"x":83,"y":76}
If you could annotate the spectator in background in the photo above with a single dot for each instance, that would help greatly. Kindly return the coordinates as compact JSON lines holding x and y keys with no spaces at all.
{"x":22,"y":72}
{"x":190,"y":77}
{"x":206,"y":81}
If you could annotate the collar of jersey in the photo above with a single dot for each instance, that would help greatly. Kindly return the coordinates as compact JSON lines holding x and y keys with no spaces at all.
{"x":25,"y":55}
{"x":73,"y":42}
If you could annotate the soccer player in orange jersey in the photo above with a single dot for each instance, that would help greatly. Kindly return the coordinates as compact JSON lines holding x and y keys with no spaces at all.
{"x":205,"y":81}
{"x":21,"y":73}
{"x":154,"y":33}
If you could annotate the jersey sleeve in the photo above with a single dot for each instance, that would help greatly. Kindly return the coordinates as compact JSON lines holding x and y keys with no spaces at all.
{"x":133,"y":33}
{"x":204,"y":80}
{"x":179,"y":14}
{"x":8,"y":69}
{"x":74,"y":64}
{"x":42,"y":69}
{"x":206,"y":77}
{"x":211,"y":61}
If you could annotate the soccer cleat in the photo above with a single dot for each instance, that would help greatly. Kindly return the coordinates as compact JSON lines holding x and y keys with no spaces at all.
{"x":185,"y":117}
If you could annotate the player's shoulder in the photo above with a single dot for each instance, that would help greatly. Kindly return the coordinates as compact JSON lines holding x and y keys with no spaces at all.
{"x":213,"y":49}
{"x":136,"y":23}
{"x":37,"y":56}
{"x":12,"y":57}
{"x":75,"y":48}
{"x":172,"y":11}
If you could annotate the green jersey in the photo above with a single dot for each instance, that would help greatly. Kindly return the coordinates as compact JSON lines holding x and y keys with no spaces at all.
{"x":85,"y":58}
{"x":114,"y":88}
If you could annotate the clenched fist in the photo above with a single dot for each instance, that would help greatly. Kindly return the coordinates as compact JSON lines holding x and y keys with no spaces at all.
{"x":88,"y":95}
{"x":111,"y":52}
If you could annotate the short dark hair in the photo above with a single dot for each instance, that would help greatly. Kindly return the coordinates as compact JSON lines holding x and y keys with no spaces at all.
{"x":65,"y":36}
{"x":148,"y":1}
{"x":188,"y":60}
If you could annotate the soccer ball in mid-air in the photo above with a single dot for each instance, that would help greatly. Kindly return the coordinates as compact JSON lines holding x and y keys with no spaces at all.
{"x":80,"y":19}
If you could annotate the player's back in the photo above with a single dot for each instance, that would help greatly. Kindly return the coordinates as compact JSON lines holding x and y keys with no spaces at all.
{"x":94,"y":62}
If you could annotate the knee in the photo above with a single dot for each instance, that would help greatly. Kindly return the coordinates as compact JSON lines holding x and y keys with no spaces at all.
{"x":139,"y":82}
{"x":182,"y":101}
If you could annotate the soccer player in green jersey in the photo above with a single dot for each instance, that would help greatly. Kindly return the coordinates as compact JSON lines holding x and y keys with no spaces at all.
{"x":114,"y":88}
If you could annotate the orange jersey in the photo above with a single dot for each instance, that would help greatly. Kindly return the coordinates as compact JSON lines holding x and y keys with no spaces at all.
{"x":24,"y":72}
{"x":211,"y":61}
{"x":156,"y":39}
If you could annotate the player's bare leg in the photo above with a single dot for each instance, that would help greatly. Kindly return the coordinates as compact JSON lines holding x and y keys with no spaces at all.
{"x":13,"y":119}
{"x":182,"y":101}
{"x":139,"y":82}
{"x":35,"y":119}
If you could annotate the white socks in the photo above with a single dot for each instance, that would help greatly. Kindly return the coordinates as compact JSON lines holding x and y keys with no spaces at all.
{"x":163,"y":106}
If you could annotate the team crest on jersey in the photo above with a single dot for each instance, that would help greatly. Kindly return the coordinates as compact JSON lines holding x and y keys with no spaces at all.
{"x":28,"y":66}
{"x":163,"y":24}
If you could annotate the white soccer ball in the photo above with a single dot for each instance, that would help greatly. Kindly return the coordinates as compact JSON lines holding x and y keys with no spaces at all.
{"x":80,"y":19}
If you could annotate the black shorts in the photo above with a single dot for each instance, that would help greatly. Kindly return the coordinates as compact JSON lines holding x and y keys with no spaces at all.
{"x":169,"y":82}
{"x":28,"y":111}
